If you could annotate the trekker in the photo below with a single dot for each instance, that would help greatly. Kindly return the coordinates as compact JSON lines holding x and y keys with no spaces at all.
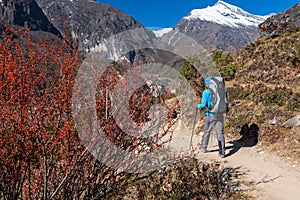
{"x":211,"y":120}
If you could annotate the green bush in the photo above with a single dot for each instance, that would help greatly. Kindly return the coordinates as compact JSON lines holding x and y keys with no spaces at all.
{"x":225,"y":65}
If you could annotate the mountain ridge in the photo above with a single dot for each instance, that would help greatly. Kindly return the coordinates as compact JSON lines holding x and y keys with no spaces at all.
{"x":226,"y":14}
{"x":220,"y":27}
{"x":88,"y":22}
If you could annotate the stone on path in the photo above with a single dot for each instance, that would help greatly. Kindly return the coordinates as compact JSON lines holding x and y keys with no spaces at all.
{"x":293,"y":122}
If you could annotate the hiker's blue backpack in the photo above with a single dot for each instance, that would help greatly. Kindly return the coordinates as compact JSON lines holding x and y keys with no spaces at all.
{"x":218,"y":95}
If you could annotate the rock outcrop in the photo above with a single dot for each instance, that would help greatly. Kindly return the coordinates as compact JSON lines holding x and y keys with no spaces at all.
{"x":284,"y":22}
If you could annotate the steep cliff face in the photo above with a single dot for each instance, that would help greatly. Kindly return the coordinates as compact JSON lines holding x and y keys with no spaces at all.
{"x":25,"y":13}
{"x":284,"y":22}
{"x":87,"y":21}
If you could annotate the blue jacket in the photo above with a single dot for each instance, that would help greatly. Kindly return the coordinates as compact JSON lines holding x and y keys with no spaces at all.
{"x":205,"y":103}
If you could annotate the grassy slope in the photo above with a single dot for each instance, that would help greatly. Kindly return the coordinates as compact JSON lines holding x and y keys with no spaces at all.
{"x":267,"y":85}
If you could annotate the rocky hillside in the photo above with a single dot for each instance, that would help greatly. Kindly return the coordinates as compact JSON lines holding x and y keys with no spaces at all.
{"x":88,"y":21}
{"x":285,"y":22}
{"x":213,"y":36}
{"x":20,"y":13}
{"x":266,"y":90}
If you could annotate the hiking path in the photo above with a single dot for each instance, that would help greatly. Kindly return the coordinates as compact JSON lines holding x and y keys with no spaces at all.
{"x":268,"y":176}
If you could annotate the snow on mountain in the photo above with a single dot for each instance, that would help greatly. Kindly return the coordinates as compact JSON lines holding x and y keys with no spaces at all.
{"x":226,"y":14}
{"x":162,"y":31}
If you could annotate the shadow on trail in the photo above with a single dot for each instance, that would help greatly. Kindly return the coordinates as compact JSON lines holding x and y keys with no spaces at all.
{"x":249,"y":139}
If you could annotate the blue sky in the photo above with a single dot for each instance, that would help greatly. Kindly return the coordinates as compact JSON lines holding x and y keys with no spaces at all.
{"x":166,"y":13}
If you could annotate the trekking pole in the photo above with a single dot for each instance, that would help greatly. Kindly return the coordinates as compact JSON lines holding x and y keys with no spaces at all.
{"x":193,"y":129}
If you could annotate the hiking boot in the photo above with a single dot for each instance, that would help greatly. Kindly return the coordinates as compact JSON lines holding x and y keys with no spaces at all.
{"x":203,"y":150}
{"x":222,"y":155}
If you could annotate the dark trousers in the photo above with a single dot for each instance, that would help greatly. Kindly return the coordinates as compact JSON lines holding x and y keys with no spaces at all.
{"x":218,"y":123}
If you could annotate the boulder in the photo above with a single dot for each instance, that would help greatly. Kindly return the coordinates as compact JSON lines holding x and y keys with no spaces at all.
{"x":293,"y":122}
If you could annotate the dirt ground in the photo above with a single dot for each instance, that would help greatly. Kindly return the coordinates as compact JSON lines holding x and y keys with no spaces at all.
{"x":268,"y":176}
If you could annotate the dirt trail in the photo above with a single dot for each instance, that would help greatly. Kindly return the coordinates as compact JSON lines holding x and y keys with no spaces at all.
{"x":271,"y":177}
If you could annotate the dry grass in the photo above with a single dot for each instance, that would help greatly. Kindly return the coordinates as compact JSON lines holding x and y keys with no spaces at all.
{"x":267,"y":86}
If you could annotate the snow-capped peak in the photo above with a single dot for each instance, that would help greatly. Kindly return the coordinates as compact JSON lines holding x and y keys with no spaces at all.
{"x":162,"y":31}
{"x":226,"y":14}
